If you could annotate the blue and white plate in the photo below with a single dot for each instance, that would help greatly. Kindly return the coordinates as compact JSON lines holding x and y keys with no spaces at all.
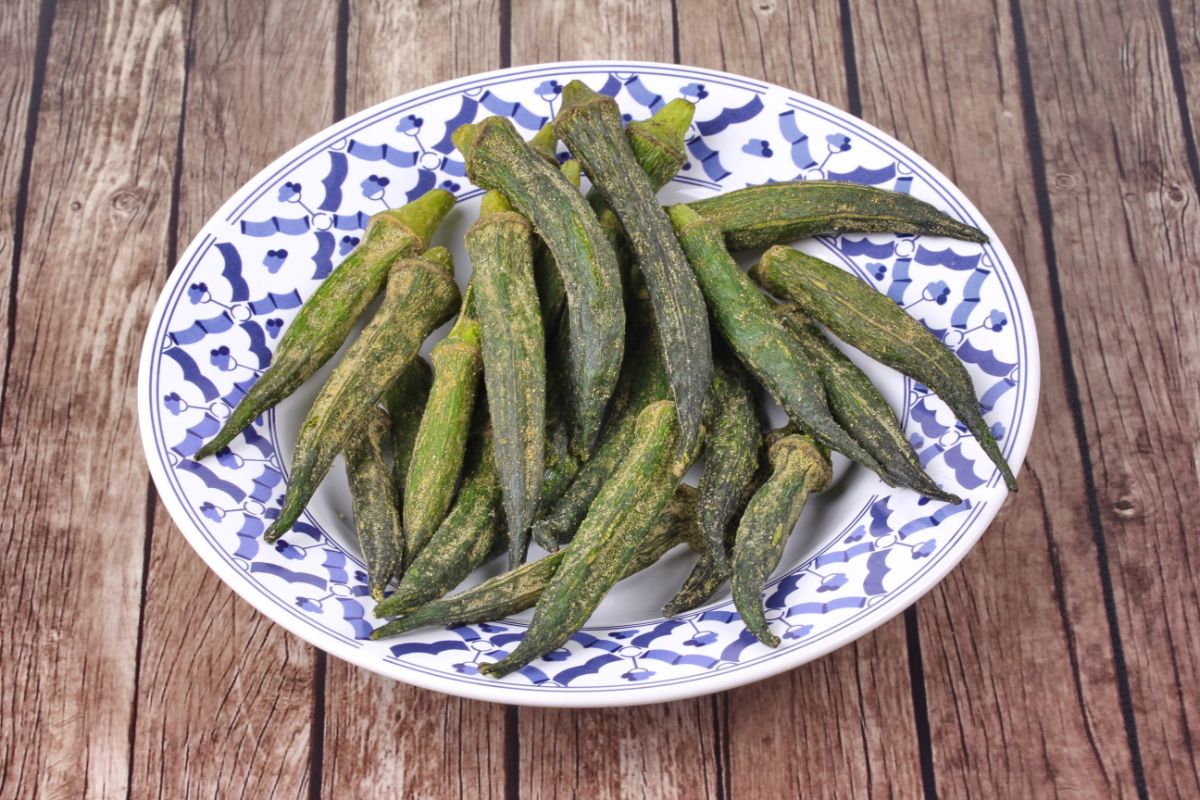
{"x":862,"y":551}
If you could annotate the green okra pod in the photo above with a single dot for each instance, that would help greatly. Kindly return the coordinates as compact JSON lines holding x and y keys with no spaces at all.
{"x":860,"y":409}
{"x":441,"y":440}
{"x":497,"y":159}
{"x":798,"y":467}
{"x":405,"y":402}
{"x":552,"y":295}
{"x":420,"y":296}
{"x":461,"y":542}
{"x":500,"y":245}
{"x":590,"y":124}
{"x":326,"y":318}
{"x":518,"y":589}
{"x":872,"y":322}
{"x":778,"y":213}
{"x":760,"y":340}
{"x":733,"y":436}
{"x":608,"y":539}
{"x":374,"y":504}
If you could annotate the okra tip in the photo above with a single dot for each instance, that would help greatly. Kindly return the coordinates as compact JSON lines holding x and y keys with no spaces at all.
{"x":682,"y":216}
{"x":463,"y":137}
{"x":573,"y":171}
{"x":441,"y":256}
{"x":669,"y":124}
{"x":545,"y":143}
{"x":493,"y":203}
{"x":422,"y":216}
{"x":574,"y":93}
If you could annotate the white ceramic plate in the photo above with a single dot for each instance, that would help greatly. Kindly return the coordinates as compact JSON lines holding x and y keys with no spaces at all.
{"x":862,"y":551}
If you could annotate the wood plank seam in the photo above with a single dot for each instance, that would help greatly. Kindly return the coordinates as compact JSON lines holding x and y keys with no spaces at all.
{"x":41,"y":54}
{"x":1174,"y":58}
{"x":1046,"y":215}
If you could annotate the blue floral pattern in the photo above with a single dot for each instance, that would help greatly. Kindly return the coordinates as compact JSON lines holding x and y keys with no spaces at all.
{"x":242,"y":280}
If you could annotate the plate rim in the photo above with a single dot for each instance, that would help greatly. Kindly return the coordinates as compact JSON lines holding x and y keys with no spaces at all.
{"x":579,"y":697}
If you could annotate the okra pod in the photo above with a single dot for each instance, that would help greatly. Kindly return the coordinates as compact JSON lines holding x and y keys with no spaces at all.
{"x":518,"y":589}
{"x":326,"y":318}
{"x":498,"y":159}
{"x":607,"y":540}
{"x":551,"y":294}
{"x":860,"y":409}
{"x":733,"y":436}
{"x":798,"y":467}
{"x":461,"y":542}
{"x":405,"y":402}
{"x":374,"y":504}
{"x":590,"y":125}
{"x":760,"y":340}
{"x":441,"y":441}
{"x":420,"y":296}
{"x":872,"y":322}
{"x":778,"y":213}
{"x":500,"y":245}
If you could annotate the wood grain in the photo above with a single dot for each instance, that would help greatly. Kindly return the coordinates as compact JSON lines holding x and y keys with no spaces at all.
{"x":94,"y":253}
{"x":988,"y":679}
{"x":384,"y":738}
{"x":664,"y":751}
{"x":1125,"y":223}
{"x":225,"y":696}
{"x":852,"y":710}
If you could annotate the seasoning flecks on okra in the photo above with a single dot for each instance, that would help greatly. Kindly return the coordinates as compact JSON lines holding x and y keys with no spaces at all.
{"x":374,"y":504}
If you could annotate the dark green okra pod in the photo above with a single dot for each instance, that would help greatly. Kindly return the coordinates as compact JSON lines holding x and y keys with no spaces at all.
{"x":552,"y":295}
{"x":760,"y":340}
{"x":461,"y":542}
{"x":798,"y":467}
{"x":732,"y":439}
{"x":420,"y":296}
{"x":778,"y":213}
{"x":872,"y":322}
{"x":374,"y":504}
{"x":500,"y":245}
{"x":516,"y":590}
{"x":499,"y":160}
{"x":608,"y":539}
{"x":441,"y":441}
{"x":405,"y":402}
{"x":326,"y":318}
{"x":590,"y":124}
{"x":860,"y":409}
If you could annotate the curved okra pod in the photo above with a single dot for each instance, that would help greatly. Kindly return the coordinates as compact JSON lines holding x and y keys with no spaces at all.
{"x":499,"y":160}
{"x":420,"y":296}
{"x":860,"y":409}
{"x":441,"y":440}
{"x":733,"y":436}
{"x":500,"y":245}
{"x":760,"y":340}
{"x":590,"y":124}
{"x":552,"y":295}
{"x":798,"y":467}
{"x":607,"y":540}
{"x":519,"y":589}
{"x":374,"y":504}
{"x":405,"y":402}
{"x":326,"y":318}
{"x":461,"y":542}
{"x":872,"y":322}
{"x":778,"y":213}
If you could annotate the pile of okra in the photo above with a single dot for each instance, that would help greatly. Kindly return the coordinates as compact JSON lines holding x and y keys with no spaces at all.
{"x":602,"y":345}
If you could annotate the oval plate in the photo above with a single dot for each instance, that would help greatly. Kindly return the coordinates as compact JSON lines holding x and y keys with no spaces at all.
{"x":861,"y":553}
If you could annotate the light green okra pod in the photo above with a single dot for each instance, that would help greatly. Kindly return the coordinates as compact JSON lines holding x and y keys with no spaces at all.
{"x":872,"y":322}
{"x":590,"y":124}
{"x":326,"y":318}
{"x":608,"y":539}
{"x":374,"y":504}
{"x":519,"y":589}
{"x":461,"y":542}
{"x":405,"y":403}
{"x":500,"y":244}
{"x":860,"y":409}
{"x":778,"y":213}
{"x":420,"y":296}
{"x":441,"y":441}
{"x":761,"y":341}
{"x":798,"y":467}
{"x":497,"y":159}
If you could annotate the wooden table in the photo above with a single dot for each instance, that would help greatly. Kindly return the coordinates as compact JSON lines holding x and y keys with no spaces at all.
{"x":1061,"y":658}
